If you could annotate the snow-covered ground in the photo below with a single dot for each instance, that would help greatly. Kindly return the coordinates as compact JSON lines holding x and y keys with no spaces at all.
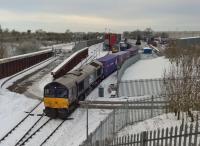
{"x":147,"y":69}
{"x":159,"y":122}
{"x":12,"y":109}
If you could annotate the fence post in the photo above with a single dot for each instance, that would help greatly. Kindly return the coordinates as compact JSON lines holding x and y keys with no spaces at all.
{"x":151,"y":106}
{"x":196,"y":133}
{"x":127,"y":113}
{"x":150,"y":138}
{"x":134,"y":140}
{"x":154,"y":137}
{"x":190,"y":134}
{"x":175,"y":136}
{"x":113,"y":122}
{"x":171,"y":134}
{"x":144,"y":138}
{"x":158,"y":136}
{"x":101,"y":133}
{"x":166,"y":135}
{"x":162,"y":136}
{"x":185,"y":135}
{"x":138,"y":139}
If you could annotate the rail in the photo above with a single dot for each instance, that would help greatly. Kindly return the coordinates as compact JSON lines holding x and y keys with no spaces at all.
{"x":19,"y":123}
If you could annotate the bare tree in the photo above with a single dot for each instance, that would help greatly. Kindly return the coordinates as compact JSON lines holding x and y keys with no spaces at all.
{"x":28,"y":46}
{"x":2,"y":51}
{"x":182,"y":81}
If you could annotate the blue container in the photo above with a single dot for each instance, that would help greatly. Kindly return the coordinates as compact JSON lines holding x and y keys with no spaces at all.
{"x":147,"y":51}
{"x":109,"y":64}
{"x":121,"y":57}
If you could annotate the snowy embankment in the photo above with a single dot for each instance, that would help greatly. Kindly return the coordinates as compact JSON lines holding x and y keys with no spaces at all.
{"x":147,"y":69}
{"x":159,"y":122}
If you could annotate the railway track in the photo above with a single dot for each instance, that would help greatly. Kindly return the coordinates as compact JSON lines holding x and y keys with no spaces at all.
{"x":29,"y":130}
{"x":19,"y":123}
{"x":52,"y":133}
{"x":38,"y":130}
{"x":17,"y":74}
{"x":22,"y":142}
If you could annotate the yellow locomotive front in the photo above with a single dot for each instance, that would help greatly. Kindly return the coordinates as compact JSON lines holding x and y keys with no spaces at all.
{"x":56,"y":100}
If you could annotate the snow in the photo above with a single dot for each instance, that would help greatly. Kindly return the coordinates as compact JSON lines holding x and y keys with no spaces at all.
{"x":73,"y":132}
{"x":64,"y":46}
{"x":24,"y":55}
{"x":37,"y":87}
{"x":162,"y":121}
{"x":147,"y":69}
{"x":195,"y":37}
{"x":147,"y":48}
{"x":12,"y":109}
{"x":68,"y":47}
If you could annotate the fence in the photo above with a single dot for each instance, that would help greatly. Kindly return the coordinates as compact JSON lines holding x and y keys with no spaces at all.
{"x":132,"y":88}
{"x":119,"y":118}
{"x":183,"y":135}
{"x":127,"y":64}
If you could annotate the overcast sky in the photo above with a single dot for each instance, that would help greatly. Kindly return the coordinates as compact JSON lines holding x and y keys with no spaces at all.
{"x":98,"y":15}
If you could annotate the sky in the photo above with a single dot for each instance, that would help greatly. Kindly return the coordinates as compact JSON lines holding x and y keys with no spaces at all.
{"x":100,"y":15}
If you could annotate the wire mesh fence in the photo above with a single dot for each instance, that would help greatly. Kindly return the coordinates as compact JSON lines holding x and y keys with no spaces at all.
{"x":119,"y":118}
{"x":132,"y":88}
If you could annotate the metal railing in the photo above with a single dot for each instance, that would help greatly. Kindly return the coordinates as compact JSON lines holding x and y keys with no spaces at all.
{"x":119,"y":118}
{"x":183,"y":135}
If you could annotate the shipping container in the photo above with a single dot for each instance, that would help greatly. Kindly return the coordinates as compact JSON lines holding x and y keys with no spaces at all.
{"x":109,"y":64}
{"x":133,"y":51}
{"x":121,"y":57}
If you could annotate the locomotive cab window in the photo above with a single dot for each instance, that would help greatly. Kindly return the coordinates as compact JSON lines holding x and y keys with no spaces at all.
{"x":46,"y":91}
{"x":60,"y":92}
{"x":56,"y":91}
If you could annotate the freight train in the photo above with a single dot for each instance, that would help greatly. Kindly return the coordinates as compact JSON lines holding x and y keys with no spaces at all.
{"x":62,"y":95}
